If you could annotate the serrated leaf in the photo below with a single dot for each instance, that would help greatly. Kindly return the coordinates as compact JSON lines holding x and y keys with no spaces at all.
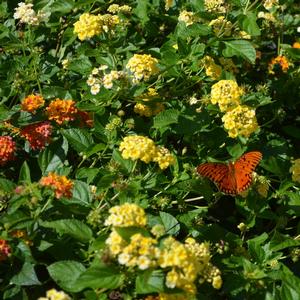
{"x":81,"y":193}
{"x":240,"y":48}
{"x":26,"y":276}
{"x":166,"y":118}
{"x":65,"y":274}
{"x":79,"y":139}
{"x":62,"y":6}
{"x":170,"y":223}
{"x":81,"y":65}
{"x":150,"y":282}
{"x":248,"y":23}
{"x":100,"y":277}
{"x":75,"y":228}
{"x":141,"y":10}
{"x":24,"y":175}
{"x":126,"y":164}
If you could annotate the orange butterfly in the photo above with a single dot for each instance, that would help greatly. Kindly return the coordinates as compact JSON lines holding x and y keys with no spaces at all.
{"x":235,"y":177}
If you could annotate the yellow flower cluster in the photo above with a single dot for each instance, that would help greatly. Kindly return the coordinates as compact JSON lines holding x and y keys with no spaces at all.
{"x":269,"y":4}
{"x":116,"y":8}
{"x":221,"y":26}
{"x":267,"y":16}
{"x":149,"y":108}
{"x":241,"y":120}
{"x":125,"y":215}
{"x":261,"y":184}
{"x":140,"y":147}
{"x":168,"y":4}
{"x":215,"y":6}
{"x":226,"y":93}
{"x":212,"y":70}
{"x":188,"y":17}
{"x":53,"y":294}
{"x":90,"y":25}
{"x":142,"y":66}
{"x":295,"y":170}
{"x":184,"y":263}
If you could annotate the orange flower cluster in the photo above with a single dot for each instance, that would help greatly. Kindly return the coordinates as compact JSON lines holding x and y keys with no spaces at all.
{"x":32,"y":102}
{"x":5,"y":250}
{"x":296,"y":45}
{"x":278,"y":62}
{"x":21,"y":234}
{"x":38,"y":135}
{"x":7,"y":149}
{"x":62,"y":111}
{"x":61,"y":184}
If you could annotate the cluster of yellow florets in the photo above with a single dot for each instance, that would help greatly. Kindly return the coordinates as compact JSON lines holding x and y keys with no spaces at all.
{"x":142,"y":66}
{"x":295,"y":170}
{"x":215,"y":6}
{"x":148,"y":107}
{"x":140,"y":147}
{"x":90,"y":25}
{"x":261,"y":184}
{"x":212,"y":70}
{"x":32,"y":102}
{"x":241,"y":120}
{"x":188,"y":17}
{"x":221,"y":26}
{"x":226,"y":93}
{"x":116,"y":8}
{"x":168,"y":4}
{"x":184,"y":263}
{"x":53,"y":294}
{"x":125,"y":215}
{"x":269,"y":4}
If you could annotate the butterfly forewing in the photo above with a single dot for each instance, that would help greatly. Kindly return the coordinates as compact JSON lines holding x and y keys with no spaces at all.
{"x":243,"y":169}
{"x":233,"y":178}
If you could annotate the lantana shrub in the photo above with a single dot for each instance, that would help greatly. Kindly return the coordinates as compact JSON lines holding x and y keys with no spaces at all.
{"x":106,"y":110}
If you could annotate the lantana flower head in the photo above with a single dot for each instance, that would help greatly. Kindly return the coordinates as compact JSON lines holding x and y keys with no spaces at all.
{"x":116,"y":8}
{"x":188,"y":17}
{"x":5,"y":250}
{"x":61,"y":111}
{"x":126,"y":215}
{"x":32,"y":102}
{"x":212,"y":70}
{"x":142,"y":66}
{"x":25,"y":13}
{"x":221,"y":26}
{"x":53,"y":294}
{"x":295,"y":170}
{"x":279,"y":63}
{"x":38,"y":135}
{"x":61,"y":185}
{"x":215,"y":6}
{"x":226,"y":93}
{"x":241,"y":120}
{"x":7,"y":149}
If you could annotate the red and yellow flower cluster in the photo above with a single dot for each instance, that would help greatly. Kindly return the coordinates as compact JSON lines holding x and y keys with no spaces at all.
{"x":32,"y":102}
{"x":61,"y":184}
{"x":5,"y":250}
{"x":7,"y":149}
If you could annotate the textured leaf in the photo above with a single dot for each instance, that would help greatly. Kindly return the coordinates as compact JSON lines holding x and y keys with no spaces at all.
{"x":150,"y":282}
{"x":26,"y":276}
{"x":65,"y":274}
{"x":24,"y":175}
{"x":81,"y":193}
{"x":75,"y":228}
{"x":240,"y":48}
{"x":170,"y":223}
{"x":79,"y":139}
{"x":166,"y":118}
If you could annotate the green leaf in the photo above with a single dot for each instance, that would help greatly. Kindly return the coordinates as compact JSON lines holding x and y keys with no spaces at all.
{"x":81,"y":65}
{"x":24,"y":175}
{"x":248,"y":23}
{"x":65,"y":274}
{"x":107,"y":277}
{"x":280,"y":241}
{"x":150,"y":282}
{"x":79,"y":139}
{"x":81,"y":193}
{"x":6,"y":185}
{"x":62,"y":6}
{"x":141,"y":10}
{"x":240,"y":48}
{"x":126,"y":164}
{"x":53,"y":157}
{"x":75,"y":228}
{"x":170,"y":223}
{"x":26,"y":276}
{"x":166,"y":118}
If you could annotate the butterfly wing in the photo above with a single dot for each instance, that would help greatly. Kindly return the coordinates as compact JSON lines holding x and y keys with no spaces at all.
{"x":219,"y":173}
{"x":243,"y":169}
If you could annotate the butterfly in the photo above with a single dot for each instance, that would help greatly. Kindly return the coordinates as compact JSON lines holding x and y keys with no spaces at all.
{"x":232,"y":178}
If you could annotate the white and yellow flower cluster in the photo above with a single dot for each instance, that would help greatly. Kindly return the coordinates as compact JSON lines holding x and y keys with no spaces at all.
{"x":53,"y":294}
{"x":25,"y":13}
{"x":238,"y":119}
{"x":142,"y":67}
{"x":184,"y":263}
{"x":295,"y":170}
{"x":215,"y":6}
{"x":139,"y":147}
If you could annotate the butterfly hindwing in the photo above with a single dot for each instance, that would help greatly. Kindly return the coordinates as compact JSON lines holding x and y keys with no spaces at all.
{"x":228,"y":184}
{"x":243,"y":169}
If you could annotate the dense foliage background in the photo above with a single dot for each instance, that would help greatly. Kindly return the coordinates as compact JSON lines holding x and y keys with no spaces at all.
{"x":79,"y":79}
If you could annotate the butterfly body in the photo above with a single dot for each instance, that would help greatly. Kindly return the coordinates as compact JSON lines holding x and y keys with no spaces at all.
{"x":234,"y":177}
